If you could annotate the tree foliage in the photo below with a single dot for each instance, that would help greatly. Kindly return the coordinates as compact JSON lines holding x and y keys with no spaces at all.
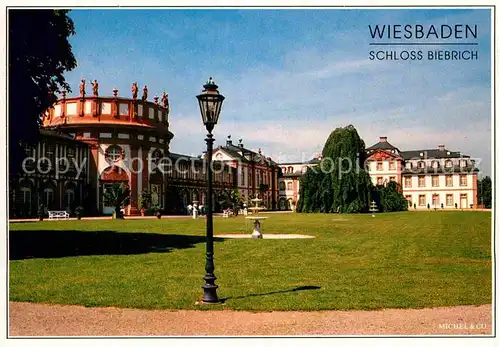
{"x":145,"y":200}
{"x":484,"y":191}
{"x":230,"y":199}
{"x":340,"y":183}
{"x":39,"y":54}
{"x":389,"y":198}
{"x":118,"y":196}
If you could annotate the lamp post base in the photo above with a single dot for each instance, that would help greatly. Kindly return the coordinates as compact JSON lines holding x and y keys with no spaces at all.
{"x":210,"y":290}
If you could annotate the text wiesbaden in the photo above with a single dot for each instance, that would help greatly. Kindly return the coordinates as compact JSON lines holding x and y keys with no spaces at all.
{"x":421,"y":32}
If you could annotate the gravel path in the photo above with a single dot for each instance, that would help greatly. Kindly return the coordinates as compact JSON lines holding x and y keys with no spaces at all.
{"x":29,"y":319}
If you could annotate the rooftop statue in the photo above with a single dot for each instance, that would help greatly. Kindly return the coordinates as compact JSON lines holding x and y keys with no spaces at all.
{"x":95,"y":88}
{"x":164,"y":100}
{"x":134,"y":90}
{"x":82,"y":88}
{"x":145,"y":93}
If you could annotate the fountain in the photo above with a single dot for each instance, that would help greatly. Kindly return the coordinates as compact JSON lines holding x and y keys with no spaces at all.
{"x":373,"y":208}
{"x":256,"y":218}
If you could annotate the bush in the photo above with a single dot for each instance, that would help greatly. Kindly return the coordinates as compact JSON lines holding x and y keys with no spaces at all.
{"x":389,"y":198}
{"x":41,"y":211}
{"x":79,"y":212}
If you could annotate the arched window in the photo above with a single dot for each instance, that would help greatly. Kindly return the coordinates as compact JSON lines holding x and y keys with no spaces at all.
{"x":156,"y":156}
{"x":421,"y":164}
{"x":69,"y":197}
{"x":290,"y":169}
{"x":26,"y":196}
{"x":114,"y":153}
{"x":48,"y":196}
{"x":435,"y":164}
{"x":448,"y":163}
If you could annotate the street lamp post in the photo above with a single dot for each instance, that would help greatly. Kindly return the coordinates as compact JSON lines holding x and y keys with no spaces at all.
{"x":210,"y":101}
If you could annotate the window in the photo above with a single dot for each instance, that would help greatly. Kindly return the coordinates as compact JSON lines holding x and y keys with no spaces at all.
{"x":463,"y":180}
{"x":156,"y":156}
{"x":408,"y":182}
{"x":435,"y":164}
{"x":449,"y":180}
{"x":379,"y":165}
{"x":290,"y":169}
{"x":392,"y":178}
{"x":449,"y":199}
{"x":463,"y":163}
{"x":421,"y":200}
{"x":26,"y":196}
{"x":156,"y":196}
{"x":289,"y":186}
{"x":421,"y":181}
{"x":421,"y":164}
{"x":408,"y":165}
{"x":408,"y":198}
{"x":435,"y":200}
{"x":282,"y":185}
{"x":114,"y":153}
{"x":48,"y":197}
{"x":392,"y":165}
{"x":50,"y":152}
{"x":448,"y":163}
{"x":380,"y":181}
{"x":27,"y":149}
{"x":69,"y":197}
{"x":435,"y":181}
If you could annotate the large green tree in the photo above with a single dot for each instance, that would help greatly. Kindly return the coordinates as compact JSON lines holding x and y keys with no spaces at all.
{"x":484,"y":191}
{"x":39,"y":54}
{"x":389,"y":198}
{"x":339,"y":183}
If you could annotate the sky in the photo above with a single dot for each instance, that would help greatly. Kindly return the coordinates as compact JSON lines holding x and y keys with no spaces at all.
{"x":291,"y":76}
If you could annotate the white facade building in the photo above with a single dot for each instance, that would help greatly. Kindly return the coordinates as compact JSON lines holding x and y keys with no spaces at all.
{"x":429,"y":178}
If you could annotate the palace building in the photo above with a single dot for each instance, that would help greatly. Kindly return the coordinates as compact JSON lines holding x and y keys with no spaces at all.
{"x":121,"y":133}
{"x":91,"y":142}
{"x":429,"y":178}
{"x":115,"y":139}
{"x":256,"y":174}
{"x":58,"y":184}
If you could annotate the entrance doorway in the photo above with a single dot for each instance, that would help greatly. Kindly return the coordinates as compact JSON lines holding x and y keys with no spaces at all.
{"x":463,"y":200}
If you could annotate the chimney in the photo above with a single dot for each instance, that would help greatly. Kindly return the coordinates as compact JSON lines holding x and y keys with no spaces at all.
{"x":240,"y":144}
{"x":228,"y":141}
{"x":441,"y":148}
{"x":383,"y":138}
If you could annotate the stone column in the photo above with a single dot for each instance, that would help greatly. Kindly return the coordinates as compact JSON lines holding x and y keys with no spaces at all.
{"x":93,"y":194}
{"x":134,"y":188}
{"x":145,"y":168}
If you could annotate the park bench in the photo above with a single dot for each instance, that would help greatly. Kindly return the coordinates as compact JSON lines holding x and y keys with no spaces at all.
{"x":58,"y":214}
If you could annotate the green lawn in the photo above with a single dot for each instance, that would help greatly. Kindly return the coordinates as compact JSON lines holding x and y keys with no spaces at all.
{"x":410,"y":259}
